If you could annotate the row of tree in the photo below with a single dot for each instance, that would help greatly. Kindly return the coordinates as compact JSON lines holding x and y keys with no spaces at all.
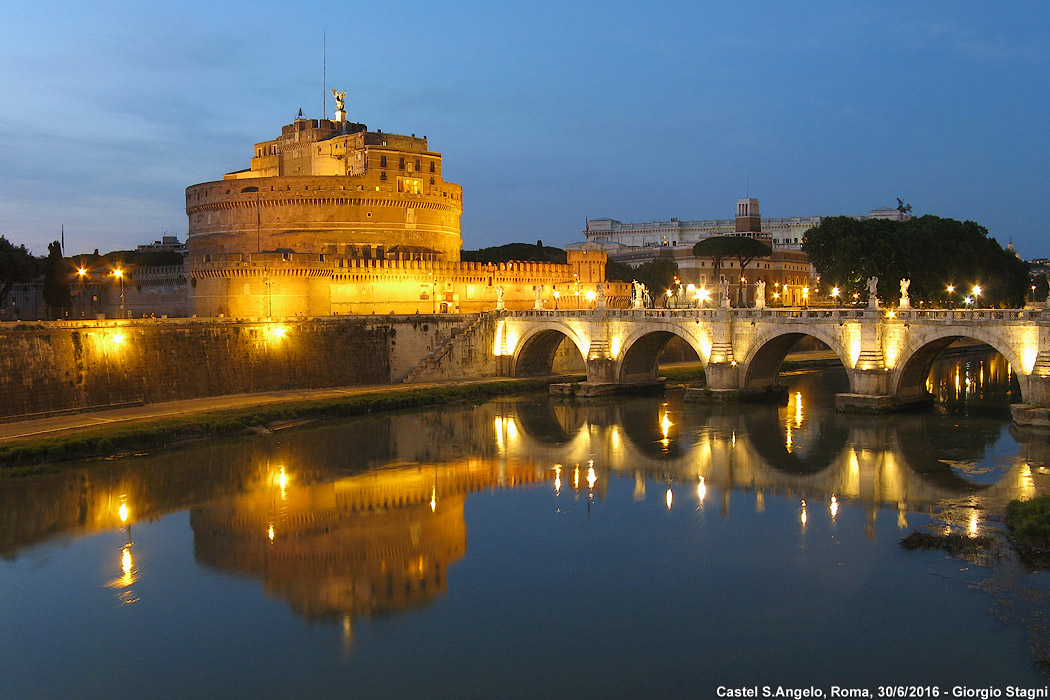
{"x":932,"y":252}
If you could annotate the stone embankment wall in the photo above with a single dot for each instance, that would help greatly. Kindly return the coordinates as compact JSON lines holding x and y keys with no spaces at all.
{"x":49,"y":367}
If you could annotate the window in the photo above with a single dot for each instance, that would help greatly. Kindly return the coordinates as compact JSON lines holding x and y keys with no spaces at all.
{"x":400,"y":163}
{"x":431,"y":166}
{"x":382,"y":176}
{"x":417,"y":164}
{"x":411,"y":185}
{"x":382,"y":161}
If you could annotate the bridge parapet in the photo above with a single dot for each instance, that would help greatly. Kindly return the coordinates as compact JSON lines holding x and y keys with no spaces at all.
{"x":887,"y":353}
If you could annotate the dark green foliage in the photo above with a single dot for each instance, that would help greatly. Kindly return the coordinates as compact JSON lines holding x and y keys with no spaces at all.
{"x":515,"y":251}
{"x":1041,"y":288}
{"x":657,"y":276}
{"x":743,"y":248}
{"x":618,"y":271}
{"x":56,"y":279}
{"x":930,"y":251}
{"x":16,"y":266}
{"x":1029,"y":523}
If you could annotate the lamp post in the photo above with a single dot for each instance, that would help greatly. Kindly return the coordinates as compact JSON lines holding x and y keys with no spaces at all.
{"x":976,"y":294}
{"x":951,"y":297}
{"x":119,"y":274}
{"x":557,"y":295}
{"x":805,"y":297}
{"x":82,"y":273}
{"x":835,"y":294}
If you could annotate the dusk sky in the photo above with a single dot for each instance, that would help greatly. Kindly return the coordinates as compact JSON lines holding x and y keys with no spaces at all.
{"x":546,"y":113}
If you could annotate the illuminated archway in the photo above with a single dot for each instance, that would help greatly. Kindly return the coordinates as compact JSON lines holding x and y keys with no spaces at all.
{"x":762,"y":365}
{"x":909,"y":380}
{"x":640,"y":360}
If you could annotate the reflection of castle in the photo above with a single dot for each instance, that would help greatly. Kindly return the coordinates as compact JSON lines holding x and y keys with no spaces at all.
{"x":333,"y":218}
{"x":374,"y":543}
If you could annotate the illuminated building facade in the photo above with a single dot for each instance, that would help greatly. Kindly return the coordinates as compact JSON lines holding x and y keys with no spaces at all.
{"x":332,"y":218}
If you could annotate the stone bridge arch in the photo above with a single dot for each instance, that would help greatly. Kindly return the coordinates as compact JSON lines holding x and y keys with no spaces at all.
{"x":639,"y":356}
{"x":534,"y":351}
{"x":766,"y":354}
{"x":925,"y":344}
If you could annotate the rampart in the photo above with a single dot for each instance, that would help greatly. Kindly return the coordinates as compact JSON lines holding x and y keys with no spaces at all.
{"x":59,"y":366}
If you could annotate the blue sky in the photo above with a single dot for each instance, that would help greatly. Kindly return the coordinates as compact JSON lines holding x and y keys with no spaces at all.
{"x":546,"y":113}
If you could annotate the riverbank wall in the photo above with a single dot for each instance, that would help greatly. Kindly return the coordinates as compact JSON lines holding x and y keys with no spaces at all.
{"x":48,"y":368}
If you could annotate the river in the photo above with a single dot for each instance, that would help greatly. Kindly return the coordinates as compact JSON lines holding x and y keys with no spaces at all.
{"x":528,"y":547}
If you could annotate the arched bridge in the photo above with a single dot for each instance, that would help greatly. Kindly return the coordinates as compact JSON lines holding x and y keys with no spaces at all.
{"x":886,"y":353}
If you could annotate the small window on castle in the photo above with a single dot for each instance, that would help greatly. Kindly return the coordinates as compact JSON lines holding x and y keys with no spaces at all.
{"x":382,"y":176}
{"x":382,"y":161}
{"x":401,"y":163}
{"x":418,"y":167}
{"x":431,"y":181}
{"x":431,"y":166}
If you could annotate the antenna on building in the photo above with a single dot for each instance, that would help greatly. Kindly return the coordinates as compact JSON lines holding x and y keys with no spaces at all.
{"x":324,"y":74}
{"x":63,"y":249}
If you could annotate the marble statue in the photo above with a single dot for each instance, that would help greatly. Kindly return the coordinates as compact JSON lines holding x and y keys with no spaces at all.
{"x":760,"y":294}
{"x":873,"y":290}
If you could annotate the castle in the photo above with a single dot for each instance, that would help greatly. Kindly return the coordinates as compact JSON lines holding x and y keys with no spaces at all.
{"x":332,"y":218}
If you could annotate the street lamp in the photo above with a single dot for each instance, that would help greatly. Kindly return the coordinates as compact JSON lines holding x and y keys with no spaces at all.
{"x":557,"y":295}
{"x":951,"y":298}
{"x":119,"y":274}
{"x":976,"y":293}
{"x":82,"y":274}
{"x":805,"y":297}
{"x":835,"y":293}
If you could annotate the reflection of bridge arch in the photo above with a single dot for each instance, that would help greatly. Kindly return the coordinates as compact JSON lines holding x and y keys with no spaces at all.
{"x":908,"y":379}
{"x":535,"y":350}
{"x":640,"y":354}
{"x":831,"y":440}
{"x":767,"y":353}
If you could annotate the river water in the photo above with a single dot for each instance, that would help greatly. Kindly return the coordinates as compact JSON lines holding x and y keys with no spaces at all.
{"x":525,"y":547}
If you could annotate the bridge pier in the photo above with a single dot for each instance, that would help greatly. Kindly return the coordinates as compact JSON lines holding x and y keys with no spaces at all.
{"x":1036,"y":412}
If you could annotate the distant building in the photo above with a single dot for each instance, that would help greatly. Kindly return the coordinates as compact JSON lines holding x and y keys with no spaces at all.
{"x":167,"y":244}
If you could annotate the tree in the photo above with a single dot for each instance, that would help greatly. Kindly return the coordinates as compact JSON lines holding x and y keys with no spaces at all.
{"x":930,"y":251}
{"x":618,"y":271}
{"x":17,"y":266}
{"x":657,"y":276}
{"x":56,"y":279}
{"x":743,"y":248}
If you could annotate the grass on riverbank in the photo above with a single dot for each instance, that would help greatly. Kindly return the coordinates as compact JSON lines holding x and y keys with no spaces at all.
{"x":45,"y":455}
{"x":1028,"y":524}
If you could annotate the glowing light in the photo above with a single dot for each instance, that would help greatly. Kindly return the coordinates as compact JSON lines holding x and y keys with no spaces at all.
{"x":117,"y":338}
{"x":282,"y":479}
{"x":891,"y":314}
{"x":803,"y":517}
{"x":576,"y":477}
{"x":669,"y":293}
{"x":614,"y":345}
{"x":278,"y":332}
{"x":433,"y":499}
{"x":118,"y":273}
{"x":557,"y":478}
{"x":973,"y":525}
{"x":592,"y":476}
{"x":798,"y":409}
{"x":669,"y":498}
{"x":835,"y":292}
{"x":977,"y":290}
{"x":701,"y":489}
{"x":951,"y":288}
{"x":81,"y":271}
{"x":270,"y":533}
{"x":665,"y":425}
{"x":590,"y":295}
{"x":126,"y":566}
{"x":834,"y":506}
{"x":123,"y":512}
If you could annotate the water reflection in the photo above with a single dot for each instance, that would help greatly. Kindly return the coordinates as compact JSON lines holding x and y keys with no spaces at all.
{"x":363,"y":518}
